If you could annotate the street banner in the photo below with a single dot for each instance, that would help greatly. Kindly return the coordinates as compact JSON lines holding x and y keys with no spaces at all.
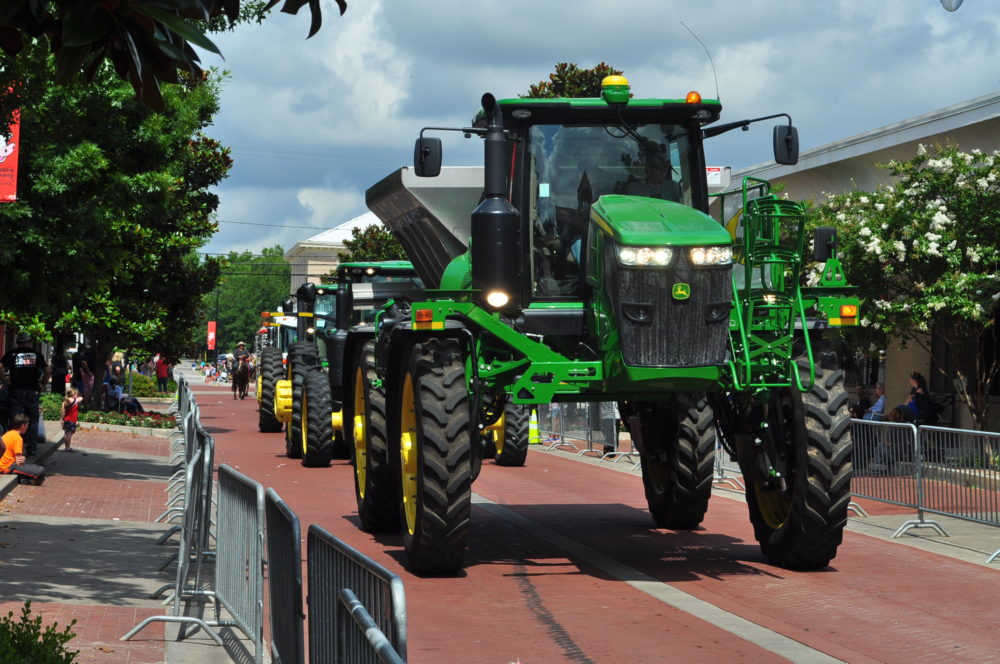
{"x":9,"y":149}
{"x":211,"y":335}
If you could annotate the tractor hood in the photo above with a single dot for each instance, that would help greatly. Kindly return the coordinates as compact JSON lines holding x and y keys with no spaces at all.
{"x":637,"y":220}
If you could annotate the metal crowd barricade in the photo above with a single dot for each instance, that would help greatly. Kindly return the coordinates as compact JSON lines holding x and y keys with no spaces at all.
{"x":887,"y":468}
{"x":961,"y":474}
{"x":284,"y":573}
{"x":239,"y":564}
{"x":333,"y":566}
{"x":360,"y":637}
{"x":727,"y":471}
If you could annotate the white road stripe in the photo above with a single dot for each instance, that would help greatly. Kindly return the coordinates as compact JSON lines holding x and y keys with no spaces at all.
{"x":768,"y":639}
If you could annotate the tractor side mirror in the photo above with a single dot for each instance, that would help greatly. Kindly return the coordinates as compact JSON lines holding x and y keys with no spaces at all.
{"x":786,"y":145}
{"x":306,"y":293}
{"x":824,"y":243}
{"x":427,"y":157}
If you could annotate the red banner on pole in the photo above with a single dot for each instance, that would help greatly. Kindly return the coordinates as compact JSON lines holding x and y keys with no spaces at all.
{"x":9,"y":149}
{"x":211,"y":335}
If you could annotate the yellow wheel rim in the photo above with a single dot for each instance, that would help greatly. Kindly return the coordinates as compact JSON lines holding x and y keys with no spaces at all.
{"x":360,"y":444}
{"x":497,"y":432}
{"x":408,"y":453}
{"x":260,"y":382}
{"x":774,"y":507}
{"x":304,"y":424}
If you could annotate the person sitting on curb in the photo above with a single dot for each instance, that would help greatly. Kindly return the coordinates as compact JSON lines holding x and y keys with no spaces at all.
{"x":12,"y":458}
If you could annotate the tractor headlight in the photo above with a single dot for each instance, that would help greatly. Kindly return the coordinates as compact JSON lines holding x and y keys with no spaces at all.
{"x":497,"y":299}
{"x":644,"y":256}
{"x":722,"y":255}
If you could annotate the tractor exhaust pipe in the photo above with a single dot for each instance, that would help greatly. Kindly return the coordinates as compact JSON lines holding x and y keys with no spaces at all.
{"x":496,"y":226}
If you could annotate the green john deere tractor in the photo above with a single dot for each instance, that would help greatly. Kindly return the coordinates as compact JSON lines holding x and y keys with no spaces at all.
{"x":591,"y":269}
{"x":280,"y":332}
{"x":315,"y":362}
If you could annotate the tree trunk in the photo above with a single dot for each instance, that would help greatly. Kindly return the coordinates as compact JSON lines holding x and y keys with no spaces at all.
{"x":102,"y":353}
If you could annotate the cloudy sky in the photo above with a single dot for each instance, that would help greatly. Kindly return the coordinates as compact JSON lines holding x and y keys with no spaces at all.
{"x":313,"y":123}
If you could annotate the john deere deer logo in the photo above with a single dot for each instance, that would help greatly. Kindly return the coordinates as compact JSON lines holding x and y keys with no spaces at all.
{"x":681,"y":291}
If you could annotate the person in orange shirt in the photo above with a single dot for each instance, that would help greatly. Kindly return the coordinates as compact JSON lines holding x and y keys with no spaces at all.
{"x":12,"y":459}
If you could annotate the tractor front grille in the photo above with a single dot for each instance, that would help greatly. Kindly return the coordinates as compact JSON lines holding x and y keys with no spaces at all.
{"x":658,"y":329}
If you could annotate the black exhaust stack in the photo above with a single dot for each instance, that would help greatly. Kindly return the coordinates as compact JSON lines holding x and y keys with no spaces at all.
{"x":496,"y":226}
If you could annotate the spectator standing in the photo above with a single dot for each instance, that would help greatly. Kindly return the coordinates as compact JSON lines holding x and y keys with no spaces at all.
{"x":86,"y":379}
{"x":162,"y":372}
{"x":12,"y":455}
{"x":26,"y":372}
{"x":70,"y":415}
{"x":609,"y":426}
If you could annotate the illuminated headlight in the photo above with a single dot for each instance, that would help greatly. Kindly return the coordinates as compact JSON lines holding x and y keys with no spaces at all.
{"x":497,"y":299}
{"x":712,"y":255}
{"x":642,"y":256}
{"x":311,"y":330}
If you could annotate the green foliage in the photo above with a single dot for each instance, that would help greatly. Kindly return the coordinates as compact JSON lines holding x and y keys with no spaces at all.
{"x":145,"y":386}
{"x":250,"y":284}
{"x":372,"y":243}
{"x":114,"y":201}
{"x":24,"y":641}
{"x":50,"y":404}
{"x":149,"y":42}
{"x":568,"y":80}
{"x":925,"y":255}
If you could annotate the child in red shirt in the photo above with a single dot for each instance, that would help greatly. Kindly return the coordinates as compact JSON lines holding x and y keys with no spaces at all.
{"x":12,"y":459}
{"x":70,"y":416}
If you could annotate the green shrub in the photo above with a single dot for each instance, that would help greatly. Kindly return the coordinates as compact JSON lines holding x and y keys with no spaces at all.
{"x":25,"y":642}
{"x":145,"y":386}
{"x":50,"y":404}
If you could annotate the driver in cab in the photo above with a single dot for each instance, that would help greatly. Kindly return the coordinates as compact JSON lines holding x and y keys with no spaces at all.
{"x":657,"y":182}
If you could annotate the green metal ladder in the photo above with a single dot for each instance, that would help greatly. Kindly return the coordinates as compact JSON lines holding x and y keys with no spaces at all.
{"x":769,"y":302}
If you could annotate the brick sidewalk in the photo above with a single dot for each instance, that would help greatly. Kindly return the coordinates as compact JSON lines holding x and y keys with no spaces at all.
{"x":80,"y":534}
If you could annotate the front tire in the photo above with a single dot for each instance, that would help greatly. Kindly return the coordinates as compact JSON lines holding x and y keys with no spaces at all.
{"x":678,"y":438}
{"x":303,"y":358}
{"x":436,"y":456}
{"x":515,"y":435}
{"x":376,"y":484}
{"x":270,"y":374}
{"x":317,"y":427}
{"x":802,"y":526}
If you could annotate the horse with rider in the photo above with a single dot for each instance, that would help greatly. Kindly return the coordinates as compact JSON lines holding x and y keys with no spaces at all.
{"x":242,"y":370}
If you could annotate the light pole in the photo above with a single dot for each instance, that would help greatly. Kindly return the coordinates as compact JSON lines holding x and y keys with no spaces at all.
{"x":218,"y":326}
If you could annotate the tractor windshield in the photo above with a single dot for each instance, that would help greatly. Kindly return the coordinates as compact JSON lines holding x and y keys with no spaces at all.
{"x":325,"y":310}
{"x":571,"y":166}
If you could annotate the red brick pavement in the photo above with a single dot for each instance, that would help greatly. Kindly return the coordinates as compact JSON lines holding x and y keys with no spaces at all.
{"x":91,"y":498}
{"x":98,"y":629}
{"x":116,"y":441}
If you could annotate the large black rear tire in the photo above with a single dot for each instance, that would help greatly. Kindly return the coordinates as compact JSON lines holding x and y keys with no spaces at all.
{"x":376,"y":479}
{"x":317,"y":430}
{"x":436,"y":456}
{"x":678,"y":438}
{"x":270,"y":374}
{"x":801,"y":526}
{"x":303,"y":357}
{"x":515,"y":435}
